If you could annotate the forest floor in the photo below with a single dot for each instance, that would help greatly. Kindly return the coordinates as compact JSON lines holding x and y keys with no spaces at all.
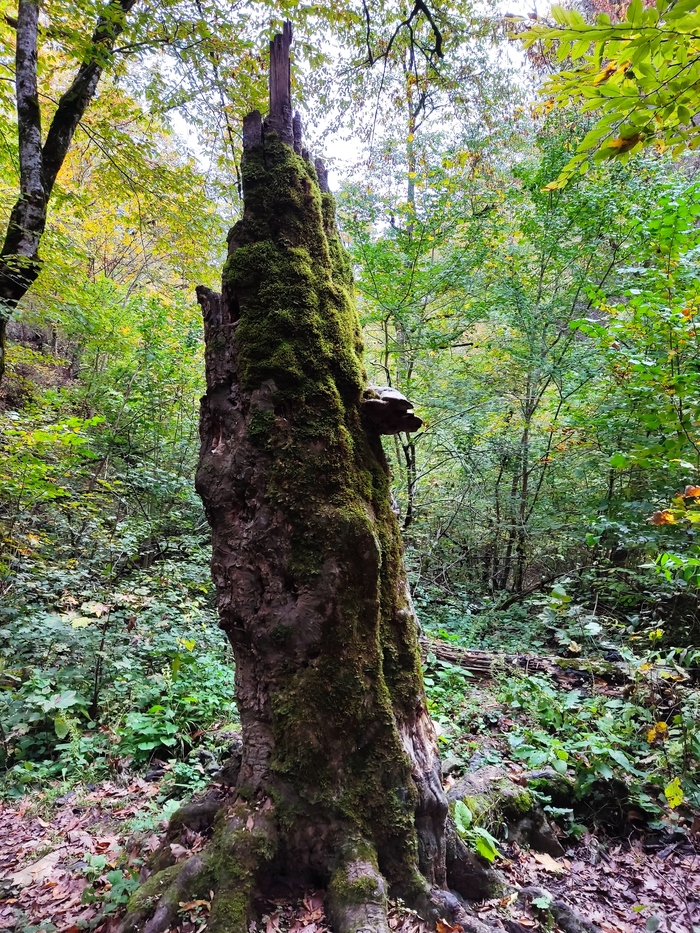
{"x":70,"y":857}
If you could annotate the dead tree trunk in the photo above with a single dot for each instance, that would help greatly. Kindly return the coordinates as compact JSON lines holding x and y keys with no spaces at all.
{"x":339,"y":782}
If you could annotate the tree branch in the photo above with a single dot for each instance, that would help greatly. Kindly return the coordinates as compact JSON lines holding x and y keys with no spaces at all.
{"x":73,"y":103}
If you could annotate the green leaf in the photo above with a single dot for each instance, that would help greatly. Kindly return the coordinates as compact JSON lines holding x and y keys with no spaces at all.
{"x":619,"y":461}
{"x":622,"y":760}
{"x":542,"y":902}
{"x":635,"y":12}
{"x":463,"y":818}
{"x":484,"y":843}
{"x":61,"y":728}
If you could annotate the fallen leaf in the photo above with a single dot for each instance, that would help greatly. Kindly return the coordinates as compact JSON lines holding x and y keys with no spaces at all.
{"x":193,"y":905}
{"x":548,"y":863}
{"x":39,"y":871}
{"x":442,"y":926}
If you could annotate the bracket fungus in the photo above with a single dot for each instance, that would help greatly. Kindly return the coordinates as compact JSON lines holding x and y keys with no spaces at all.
{"x":389,"y":411}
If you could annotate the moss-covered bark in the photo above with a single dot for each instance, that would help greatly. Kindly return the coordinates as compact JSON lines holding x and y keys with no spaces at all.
{"x":339,"y":753}
{"x":307,"y":553}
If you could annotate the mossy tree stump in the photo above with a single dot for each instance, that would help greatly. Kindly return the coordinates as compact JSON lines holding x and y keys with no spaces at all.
{"x":340,"y":781}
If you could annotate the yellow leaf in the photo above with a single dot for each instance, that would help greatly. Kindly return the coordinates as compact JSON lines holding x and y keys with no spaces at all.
{"x":603,"y":75}
{"x":625,"y":143}
{"x":674,"y":793}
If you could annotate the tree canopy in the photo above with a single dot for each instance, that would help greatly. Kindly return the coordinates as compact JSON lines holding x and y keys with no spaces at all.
{"x":639,"y":76}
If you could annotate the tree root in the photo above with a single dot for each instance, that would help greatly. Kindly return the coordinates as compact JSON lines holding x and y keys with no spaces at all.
{"x":243,"y":845}
{"x":237,"y":865}
{"x":357,"y":895}
{"x":467,"y":873}
{"x":197,"y":817}
{"x":454,"y":910}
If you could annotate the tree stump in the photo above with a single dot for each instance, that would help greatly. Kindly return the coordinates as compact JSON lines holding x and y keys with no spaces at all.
{"x":339,"y":782}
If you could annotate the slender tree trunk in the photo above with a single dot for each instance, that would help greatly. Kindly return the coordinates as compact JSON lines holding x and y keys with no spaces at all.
{"x":519,"y":573}
{"x":339,"y":780}
{"x":40,"y":164}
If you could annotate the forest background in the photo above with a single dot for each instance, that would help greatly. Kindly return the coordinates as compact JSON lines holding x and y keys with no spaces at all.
{"x":546,"y":334}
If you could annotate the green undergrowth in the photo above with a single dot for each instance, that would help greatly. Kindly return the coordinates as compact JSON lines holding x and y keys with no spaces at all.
{"x":633,"y":748}
{"x":623,"y":723}
{"x":97,"y":679}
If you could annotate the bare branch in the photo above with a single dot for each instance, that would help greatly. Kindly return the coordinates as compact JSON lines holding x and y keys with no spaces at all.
{"x":429,"y":53}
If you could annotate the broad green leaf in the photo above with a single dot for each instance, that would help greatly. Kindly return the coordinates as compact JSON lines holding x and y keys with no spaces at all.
{"x":463,"y":817}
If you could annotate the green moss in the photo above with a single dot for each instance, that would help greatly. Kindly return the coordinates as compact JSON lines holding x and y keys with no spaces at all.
{"x":356,"y":891}
{"x":231,"y":912}
{"x":480,"y":807}
{"x":298,"y":331}
{"x":234,"y":861}
{"x":152,"y":889}
{"x":560,"y":789}
{"x":502,"y":802}
{"x":259,"y":427}
{"x":515,"y":802}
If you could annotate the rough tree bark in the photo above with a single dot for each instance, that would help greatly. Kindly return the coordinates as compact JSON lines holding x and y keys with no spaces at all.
{"x":339,"y":781}
{"x":39,"y":164}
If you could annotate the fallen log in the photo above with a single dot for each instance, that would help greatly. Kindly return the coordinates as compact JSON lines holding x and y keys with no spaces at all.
{"x":484,"y":665}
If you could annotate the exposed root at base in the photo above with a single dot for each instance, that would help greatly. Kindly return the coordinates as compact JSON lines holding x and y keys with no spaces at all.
{"x":244,"y":843}
{"x":357,"y":896}
{"x":239,"y":861}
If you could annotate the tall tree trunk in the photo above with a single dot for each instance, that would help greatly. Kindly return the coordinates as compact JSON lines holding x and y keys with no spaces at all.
{"x":339,"y":782}
{"x":40,"y":164}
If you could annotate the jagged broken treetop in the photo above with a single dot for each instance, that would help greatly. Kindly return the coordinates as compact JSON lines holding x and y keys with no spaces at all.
{"x":280,"y":119}
{"x":386,"y":409}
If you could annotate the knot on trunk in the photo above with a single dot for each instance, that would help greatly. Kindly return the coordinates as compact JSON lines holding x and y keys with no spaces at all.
{"x":389,"y":411}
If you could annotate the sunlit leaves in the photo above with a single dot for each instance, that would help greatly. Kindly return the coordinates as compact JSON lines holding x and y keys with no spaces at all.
{"x":639,"y":76}
{"x":674,"y":793}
